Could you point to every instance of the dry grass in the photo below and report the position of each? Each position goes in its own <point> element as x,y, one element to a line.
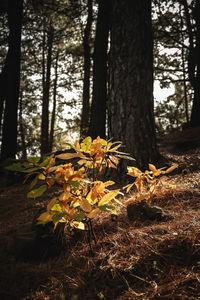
<point>132,260</point>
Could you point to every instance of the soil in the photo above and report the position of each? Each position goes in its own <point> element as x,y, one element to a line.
<point>132,259</point>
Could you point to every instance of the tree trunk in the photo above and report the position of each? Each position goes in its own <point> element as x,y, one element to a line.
<point>99,99</point>
<point>46,93</point>
<point>195,114</point>
<point>86,81</point>
<point>11,80</point>
<point>184,72</point>
<point>53,115</point>
<point>130,105</point>
<point>21,127</point>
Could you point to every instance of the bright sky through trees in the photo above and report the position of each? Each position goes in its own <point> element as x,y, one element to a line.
<point>162,94</point>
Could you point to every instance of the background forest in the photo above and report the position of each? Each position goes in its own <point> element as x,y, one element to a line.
<point>75,68</point>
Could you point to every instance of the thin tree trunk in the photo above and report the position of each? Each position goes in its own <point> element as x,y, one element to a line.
<point>21,127</point>
<point>87,65</point>
<point>46,93</point>
<point>12,80</point>
<point>99,99</point>
<point>184,73</point>
<point>1,111</point>
<point>53,116</point>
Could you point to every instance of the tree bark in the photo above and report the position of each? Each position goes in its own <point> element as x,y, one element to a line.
<point>130,106</point>
<point>195,114</point>
<point>10,80</point>
<point>86,81</point>
<point>99,99</point>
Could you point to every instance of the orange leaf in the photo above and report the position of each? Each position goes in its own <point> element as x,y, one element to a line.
<point>93,213</point>
<point>85,205</point>
<point>152,168</point>
<point>68,155</point>
<point>171,168</point>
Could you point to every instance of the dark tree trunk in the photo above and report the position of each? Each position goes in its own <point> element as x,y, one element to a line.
<point>46,93</point>
<point>99,99</point>
<point>194,60</point>
<point>10,79</point>
<point>86,81</point>
<point>53,115</point>
<point>130,104</point>
<point>195,114</point>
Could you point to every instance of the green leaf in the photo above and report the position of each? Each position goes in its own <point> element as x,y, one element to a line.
<point>56,178</point>
<point>79,217</point>
<point>125,157</point>
<point>46,161</point>
<point>107,207</point>
<point>30,170</point>
<point>71,146</point>
<point>22,167</point>
<point>58,216</point>
<point>13,167</point>
<point>34,160</point>
<point>37,192</point>
<point>75,184</point>
<point>33,183</point>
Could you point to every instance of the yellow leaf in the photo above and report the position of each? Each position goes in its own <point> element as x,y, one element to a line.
<point>108,197</point>
<point>109,182</point>
<point>93,213</point>
<point>85,205</point>
<point>51,203</point>
<point>128,187</point>
<point>171,168</point>
<point>41,176</point>
<point>79,225</point>
<point>114,148</point>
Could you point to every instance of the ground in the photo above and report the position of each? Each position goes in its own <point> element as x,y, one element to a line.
<point>141,259</point>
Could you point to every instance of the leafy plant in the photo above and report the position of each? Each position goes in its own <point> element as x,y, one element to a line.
<point>81,195</point>
<point>150,183</point>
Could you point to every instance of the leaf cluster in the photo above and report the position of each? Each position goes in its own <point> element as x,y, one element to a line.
<point>150,183</point>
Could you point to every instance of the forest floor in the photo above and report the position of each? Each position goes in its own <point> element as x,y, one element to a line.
<point>145,259</point>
